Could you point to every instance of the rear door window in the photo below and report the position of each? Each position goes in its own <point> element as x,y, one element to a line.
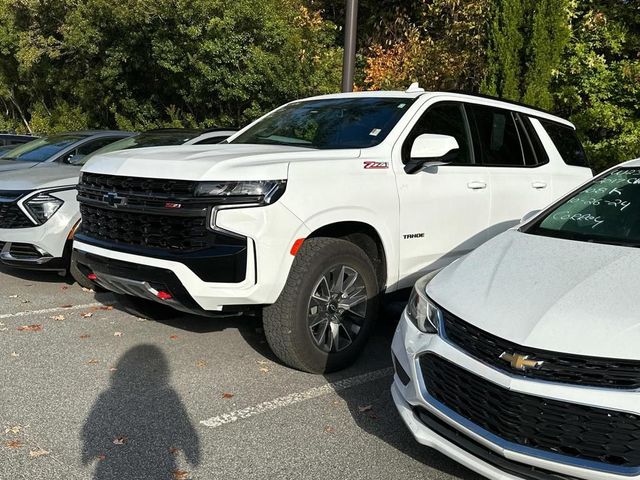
<point>566,141</point>
<point>496,136</point>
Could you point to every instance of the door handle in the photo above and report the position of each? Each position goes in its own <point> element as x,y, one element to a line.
<point>476,185</point>
<point>539,185</point>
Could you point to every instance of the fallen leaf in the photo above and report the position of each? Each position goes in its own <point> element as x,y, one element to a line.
<point>15,354</point>
<point>329,429</point>
<point>262,362</point>
<point>93,361</point>
<point>36,327</point>
<point>180,475</point>
<point>66,306</point>
<point>117,334</point>
<point>14,444</point>
<point>88,290</point>
<point>106,307</point>
<point>364,408</point>
<point>201,363</point>
<point>226,395</point>
<point>264,369</point>
<point>15,429</point>
<point>58,318</point>
<point>173,337</point>
<point>64,287</point>
<point>86,314</point>
<point>28,284</point>
<point>82,337</point>
<point>174,451</point>
<point>120,440</point>
<point>38,453</point>
<point>101,457</point>
<point>25,301</point>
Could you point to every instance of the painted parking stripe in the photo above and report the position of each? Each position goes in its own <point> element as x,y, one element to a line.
<point>50,310</point>
<point>294,398</point>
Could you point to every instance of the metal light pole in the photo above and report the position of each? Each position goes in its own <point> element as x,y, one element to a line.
<point>349,59</point>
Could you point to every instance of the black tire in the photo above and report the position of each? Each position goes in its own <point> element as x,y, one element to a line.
<point>287,324</point>
<point>147,309</point>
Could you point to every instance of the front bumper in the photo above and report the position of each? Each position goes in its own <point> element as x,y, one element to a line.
<point>434,425</point>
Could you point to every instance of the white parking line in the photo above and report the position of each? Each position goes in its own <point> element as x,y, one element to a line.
<point>49,310</point>
<point>294,398</point>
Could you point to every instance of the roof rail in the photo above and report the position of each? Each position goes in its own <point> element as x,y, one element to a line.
<point>500,99</point>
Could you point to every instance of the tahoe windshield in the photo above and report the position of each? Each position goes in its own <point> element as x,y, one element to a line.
<point>330,123</point>
<point>42,149</point>
<point>606,211</point>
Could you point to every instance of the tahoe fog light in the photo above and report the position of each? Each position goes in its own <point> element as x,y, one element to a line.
<point>43,206</point>
<point>422,312</point>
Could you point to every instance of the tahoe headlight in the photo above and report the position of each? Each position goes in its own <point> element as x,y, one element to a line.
<point>262,192</point>
<point>422,312</point>
<point>43,206</point>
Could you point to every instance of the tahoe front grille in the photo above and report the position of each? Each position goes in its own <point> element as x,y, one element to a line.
<point>556,367</point>
<point>588,433</point>
<point>165,232</point>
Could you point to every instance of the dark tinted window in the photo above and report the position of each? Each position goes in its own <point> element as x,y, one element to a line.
<point>567,143</point>
<point>497,136</point>
<point>329,123</point>
<point>605,211</point>
<point>76,156</point>
<point>443,119</point>
<point>42,149</point>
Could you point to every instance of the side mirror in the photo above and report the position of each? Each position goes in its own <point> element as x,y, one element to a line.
<point>529,216</point>
<point>431,148</point>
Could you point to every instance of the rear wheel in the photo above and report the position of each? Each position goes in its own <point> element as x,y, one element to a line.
<point>324,315</point>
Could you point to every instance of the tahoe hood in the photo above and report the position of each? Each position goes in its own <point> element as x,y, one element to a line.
<point>548,293</point>
<point>210,162</point>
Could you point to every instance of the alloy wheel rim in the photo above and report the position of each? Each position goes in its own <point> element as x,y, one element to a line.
<point>337,308</point>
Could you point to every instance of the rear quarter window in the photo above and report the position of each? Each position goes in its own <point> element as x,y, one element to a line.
<point>566,141</point>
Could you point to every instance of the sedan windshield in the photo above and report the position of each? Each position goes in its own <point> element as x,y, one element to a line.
<point>605,211</point>
<point>330,123</point>
<point>42,149</point>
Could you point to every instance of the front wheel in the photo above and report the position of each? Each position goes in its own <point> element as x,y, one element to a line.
<point>324,315</point>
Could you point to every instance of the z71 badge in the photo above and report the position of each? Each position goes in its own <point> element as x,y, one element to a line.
<point>371,165</point>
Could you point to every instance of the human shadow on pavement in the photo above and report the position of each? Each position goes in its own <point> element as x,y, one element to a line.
<point>139,428</point>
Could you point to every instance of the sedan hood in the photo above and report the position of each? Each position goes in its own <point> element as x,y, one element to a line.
<point>210,162</point>
<point>45,175</point>
<point>8,165</point>
<point>547,293</point>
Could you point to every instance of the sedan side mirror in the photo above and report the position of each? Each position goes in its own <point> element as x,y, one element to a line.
<point>431,149</point>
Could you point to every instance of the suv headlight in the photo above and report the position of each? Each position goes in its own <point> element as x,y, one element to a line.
<point>422,312</point>
<point>262,192</point>
<point>43,206</point>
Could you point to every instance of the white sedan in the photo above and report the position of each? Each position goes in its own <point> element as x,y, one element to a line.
<point>521,360</point>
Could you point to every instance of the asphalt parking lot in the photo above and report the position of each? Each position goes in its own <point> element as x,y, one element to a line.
<point>92,392</point>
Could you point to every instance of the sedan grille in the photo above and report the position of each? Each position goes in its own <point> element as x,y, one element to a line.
<point>555,367</point>
<point>589,433</point>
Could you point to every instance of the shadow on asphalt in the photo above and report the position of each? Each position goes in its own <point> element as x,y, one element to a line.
<point>139,428</point>
<point>36,275</point>
<point>372,407</point>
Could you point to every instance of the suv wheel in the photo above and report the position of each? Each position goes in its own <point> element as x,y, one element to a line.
<point>324,315</point>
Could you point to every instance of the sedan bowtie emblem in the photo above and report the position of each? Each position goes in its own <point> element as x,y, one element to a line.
<point>114,200</point>
<point>520,362</point>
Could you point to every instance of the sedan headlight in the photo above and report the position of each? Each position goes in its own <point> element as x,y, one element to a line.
<point>263,192</point>
<point>422,312</point>
<point>42,206</point>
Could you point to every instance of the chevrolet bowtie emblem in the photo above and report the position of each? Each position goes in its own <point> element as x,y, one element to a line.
<point>520,362</point>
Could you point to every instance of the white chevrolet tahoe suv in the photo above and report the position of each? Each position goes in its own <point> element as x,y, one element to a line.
<point>314,211</point>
